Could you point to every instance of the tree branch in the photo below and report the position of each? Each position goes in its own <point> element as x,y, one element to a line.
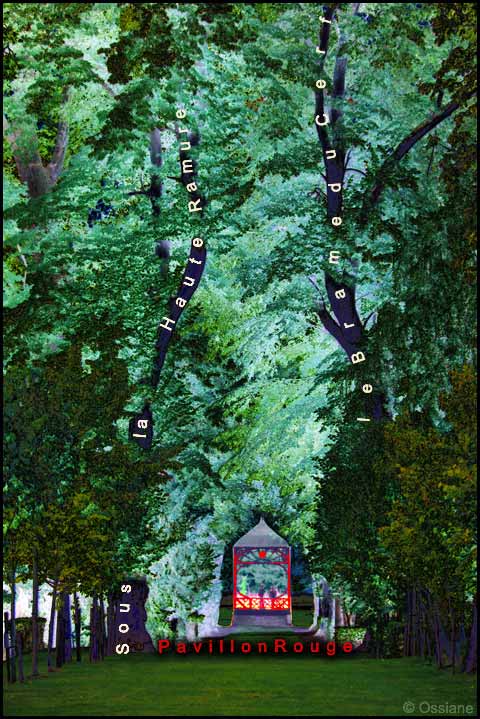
<point>31,170</point>
<point>344,308</point>
<point>55,166</point>
<point>335,331</point>
<point>354,169</point>
<point>156,147</point>
<point>313,280</point>
<point>108,88</point>
<point>319,94</point>
<point>401,150</point>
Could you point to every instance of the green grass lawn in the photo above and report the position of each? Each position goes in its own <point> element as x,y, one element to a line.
<point>237,685</point>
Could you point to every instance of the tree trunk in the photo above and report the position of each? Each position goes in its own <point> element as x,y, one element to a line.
<point>35,637</point>
<point>93,630</point>
<point>339,613</point>
<point>60,639</point>
<point>78,627</point>
<point>67,619</point>
<point>101,634</point>
<point>111,625</point>
<point>438,643</point>
<point>428,624</point>
<point>51,626</point>
<point>13,637</point>
<point>6,644</point>
<point>416,624</point>
<point>443,639</point>
<point>379,636</point>
<point>462,644</point>
<point>372,198</point>
<point>406,631</point>
<point>316,586</point>
<point>471,663</point>
<point>21,675</point>
<point>454,641</point>
<point>421,624</point>
<point>39,178</point>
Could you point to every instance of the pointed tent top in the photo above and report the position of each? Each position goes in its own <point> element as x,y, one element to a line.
<point>261,536</point>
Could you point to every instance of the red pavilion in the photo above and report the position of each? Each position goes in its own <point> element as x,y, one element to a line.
<point>261,578</point>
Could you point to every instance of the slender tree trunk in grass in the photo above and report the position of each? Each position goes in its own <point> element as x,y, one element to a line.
<point>67,618</point>
<point>6,643</point>
<point>408,628</point>
<point>462,642</point>
<point>421,624</point>
<point>21,674</point>
<point>421,633</point>
<point>101,633</point>
<point>415,623</point>
<point>453,649</point>
<point>429,646</point>
<point>98,637</point>
<point>339,613</point>
<point>98,631</point>
<point>93,630</point>
<point>430,627</point>
<point>411,646</point>
<point>105,628</point>
<point>13,638</point>
<point>78,626</point>
<point>444,640</point>
<point>110,625</point>
<point>438,642</point>
<point>418,627</point>
<point>471,662</point>
<point>428,624</point>
<point>60,639</point>
<point>411,650</point>
<point>377,637</point>
<point>405,628</point>
<point>424,633</point>
<point>35,637</point>
<point>51,626</point>
<point>321,602</point>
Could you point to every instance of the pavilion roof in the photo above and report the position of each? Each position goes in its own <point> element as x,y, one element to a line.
<point>261,536</point>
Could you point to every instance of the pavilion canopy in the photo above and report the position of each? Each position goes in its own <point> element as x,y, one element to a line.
<point>261,536</point>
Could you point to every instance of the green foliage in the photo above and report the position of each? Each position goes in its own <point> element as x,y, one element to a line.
<point>456,24</point>
<point>24,625</point>
<point>349,634</point>
<point>256,409</point>
<point>431,533</point>
<point>393,639</point>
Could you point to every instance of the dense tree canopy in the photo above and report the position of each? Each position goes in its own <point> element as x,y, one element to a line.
<point>255,410</point>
